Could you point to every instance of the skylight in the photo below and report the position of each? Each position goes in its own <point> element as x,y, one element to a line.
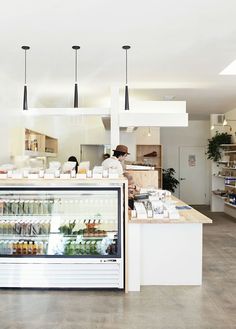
<point>230,69</point>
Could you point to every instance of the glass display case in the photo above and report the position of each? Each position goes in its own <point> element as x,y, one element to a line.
<point>83,224</point>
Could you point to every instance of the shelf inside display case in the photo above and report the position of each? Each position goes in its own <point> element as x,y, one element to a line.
<point>60,222</point>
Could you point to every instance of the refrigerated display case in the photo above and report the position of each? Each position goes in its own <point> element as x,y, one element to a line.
<point>62,236</point>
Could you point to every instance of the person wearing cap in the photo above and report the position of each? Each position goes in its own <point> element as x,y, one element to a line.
<point>115,161</point>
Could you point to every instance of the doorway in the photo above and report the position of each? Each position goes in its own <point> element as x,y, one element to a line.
<point>192,174</point>
<point>93,153</point>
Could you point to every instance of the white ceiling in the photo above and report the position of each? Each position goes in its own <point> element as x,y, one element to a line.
<point>177,49</point>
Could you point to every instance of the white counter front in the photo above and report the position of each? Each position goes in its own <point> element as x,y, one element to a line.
<point>166,252</point>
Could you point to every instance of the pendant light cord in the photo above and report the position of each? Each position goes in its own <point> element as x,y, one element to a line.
<point>25,66</point>
<point>126,68</point>
<point>76,58</point>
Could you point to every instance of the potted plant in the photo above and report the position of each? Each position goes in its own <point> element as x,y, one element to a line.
<point>213,149</point>
<point>170,183</point>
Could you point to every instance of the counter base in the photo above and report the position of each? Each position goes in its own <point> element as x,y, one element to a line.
<point>164,254</point>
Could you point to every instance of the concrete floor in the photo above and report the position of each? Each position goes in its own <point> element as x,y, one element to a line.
<point>211,306</point>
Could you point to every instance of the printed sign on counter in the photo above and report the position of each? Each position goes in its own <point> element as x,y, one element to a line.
<point>33,176</point>
<point>65,176</point>
<point>49,176</point>
<point>81,176</point>
<point>17,175</point>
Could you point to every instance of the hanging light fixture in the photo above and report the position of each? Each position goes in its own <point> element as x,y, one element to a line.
<point>126,80</point>
<point>25,101</point>
<point>76,102</point>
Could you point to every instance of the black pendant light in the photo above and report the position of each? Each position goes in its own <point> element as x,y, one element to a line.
<point>25,101</point>
<point>76,102</point>
<point>126,80</point>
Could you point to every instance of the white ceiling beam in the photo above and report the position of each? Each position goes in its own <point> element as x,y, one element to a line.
<point>103,112</point>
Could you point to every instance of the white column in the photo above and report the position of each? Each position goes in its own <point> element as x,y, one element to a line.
<point>115,132</point>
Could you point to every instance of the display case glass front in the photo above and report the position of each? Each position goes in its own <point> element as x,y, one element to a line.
<point>60,222</point>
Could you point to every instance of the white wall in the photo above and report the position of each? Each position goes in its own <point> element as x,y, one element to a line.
<point>70,131</point>
<point>231,119</point>
<point>196,134</point>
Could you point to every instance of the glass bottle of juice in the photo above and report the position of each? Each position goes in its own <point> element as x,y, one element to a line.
<point>1,247</point>
<point>14,248</point>
<point>25,248</point>
<point>30,248</point>
<point>19,248</point>
<point>35,248</point>
<point>40,248</point>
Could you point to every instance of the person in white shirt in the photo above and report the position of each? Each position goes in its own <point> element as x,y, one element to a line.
<point>115,161</point>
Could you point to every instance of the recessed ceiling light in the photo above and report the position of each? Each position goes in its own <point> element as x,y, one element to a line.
<point>230,69</point>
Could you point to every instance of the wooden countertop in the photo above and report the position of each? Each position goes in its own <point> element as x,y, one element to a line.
<point>60,181</point>
<point>187,216</point>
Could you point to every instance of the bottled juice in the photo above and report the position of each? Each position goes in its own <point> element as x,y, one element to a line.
<point>40,248</point>
<point>36,207</point>
<point>26,207</point>
<point>18,248</point>
<point>21,207</point>
<point>14,248</point>
<point>1,247</point>
<point>1,207</point>
<point>10,248</point>
<point>30,248</point>
<point>25,248</point>
<point>4,228</point>
<point>5,207</point>
<point>35,248</point>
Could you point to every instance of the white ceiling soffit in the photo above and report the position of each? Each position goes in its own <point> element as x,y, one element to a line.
<point>158,107</point>
<point>154,120</point>
<point>155,114</point>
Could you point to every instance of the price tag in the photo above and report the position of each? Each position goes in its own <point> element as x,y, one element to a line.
<point>3,176</point>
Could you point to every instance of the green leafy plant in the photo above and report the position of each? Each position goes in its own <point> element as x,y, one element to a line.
<point>213,149</point>
<point>170,183</point>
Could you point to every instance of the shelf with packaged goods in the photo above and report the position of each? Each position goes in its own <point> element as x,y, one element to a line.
<point>220,176</point>
<point>230,204</point>
<point>224,176</point>
<point>218,196</point>
<point>227,145</point>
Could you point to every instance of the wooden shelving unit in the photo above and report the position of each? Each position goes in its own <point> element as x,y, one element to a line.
<point>227,170</point>
<point>34,144</point>
<point>151,155</point>
<point>41,144</point>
